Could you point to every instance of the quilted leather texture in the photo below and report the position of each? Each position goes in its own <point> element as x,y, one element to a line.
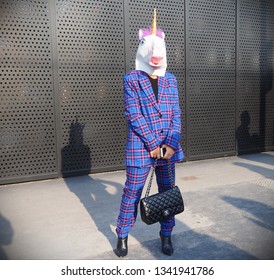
<point>156,207</point>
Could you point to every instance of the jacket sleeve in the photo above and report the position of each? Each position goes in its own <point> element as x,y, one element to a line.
<point>135,118</point>
<point>174,133</point>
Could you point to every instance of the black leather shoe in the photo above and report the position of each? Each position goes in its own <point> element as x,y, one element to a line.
<point>167,247</point>
<point>121,249</point>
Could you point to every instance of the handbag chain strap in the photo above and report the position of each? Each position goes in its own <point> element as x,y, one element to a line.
<point>171,178</point>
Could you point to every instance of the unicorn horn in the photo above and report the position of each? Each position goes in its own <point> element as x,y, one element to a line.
<point>153,27</point>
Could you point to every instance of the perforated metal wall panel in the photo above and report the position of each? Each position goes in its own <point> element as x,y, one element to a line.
<point>62,63</point>
<point>210,41</point>
<point>90,38</point>
<point>27,122</point>
<point>170,18</point>
<point>255,130</point>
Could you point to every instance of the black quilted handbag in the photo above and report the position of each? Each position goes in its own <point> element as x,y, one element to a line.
<point>158,206</point>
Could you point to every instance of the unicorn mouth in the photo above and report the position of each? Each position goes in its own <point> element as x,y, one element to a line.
<point>156,61</point>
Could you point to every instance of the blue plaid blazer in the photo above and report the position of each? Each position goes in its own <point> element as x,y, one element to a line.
<point>151,124</point>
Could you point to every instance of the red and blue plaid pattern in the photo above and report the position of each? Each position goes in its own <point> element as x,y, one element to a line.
<point>151,124</point>
<point>135,181</point>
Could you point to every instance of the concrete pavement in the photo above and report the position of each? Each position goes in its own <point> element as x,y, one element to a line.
<point>229,214</point>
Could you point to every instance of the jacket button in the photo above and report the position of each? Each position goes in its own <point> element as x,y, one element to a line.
<point>162,131</point>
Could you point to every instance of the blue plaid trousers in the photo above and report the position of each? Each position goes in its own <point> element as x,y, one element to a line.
<point>135,181</point>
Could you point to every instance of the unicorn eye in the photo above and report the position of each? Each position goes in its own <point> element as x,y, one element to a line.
<point>142,42</point>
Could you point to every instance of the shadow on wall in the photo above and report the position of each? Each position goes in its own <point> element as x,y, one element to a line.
<point>6,234</point>
<point>246,141</point>
<point>76,158</point>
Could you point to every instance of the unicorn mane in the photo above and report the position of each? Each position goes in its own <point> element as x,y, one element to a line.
<point>148,31</point>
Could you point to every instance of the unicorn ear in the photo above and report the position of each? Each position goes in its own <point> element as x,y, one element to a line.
<point>163,35</point>
<point>141,34</point>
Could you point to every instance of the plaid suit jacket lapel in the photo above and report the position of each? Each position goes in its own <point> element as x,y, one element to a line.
<point>146,87</point>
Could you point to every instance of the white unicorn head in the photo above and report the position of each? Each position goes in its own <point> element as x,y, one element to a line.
<point>151,53</point>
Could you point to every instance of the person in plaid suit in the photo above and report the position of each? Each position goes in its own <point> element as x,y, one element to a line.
<point>154,120</point>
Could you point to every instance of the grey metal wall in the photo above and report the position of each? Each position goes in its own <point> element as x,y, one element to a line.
<point>91,62</point>
<point>27,108</point>
<point>62,63</point>
<point>255,92</point>
<point>211,76</point>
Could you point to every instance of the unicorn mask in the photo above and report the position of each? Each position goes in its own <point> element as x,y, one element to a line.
<point>151,53</point>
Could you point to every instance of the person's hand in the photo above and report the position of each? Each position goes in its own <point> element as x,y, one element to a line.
<point>156,153</point>
<point>169,152</point>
